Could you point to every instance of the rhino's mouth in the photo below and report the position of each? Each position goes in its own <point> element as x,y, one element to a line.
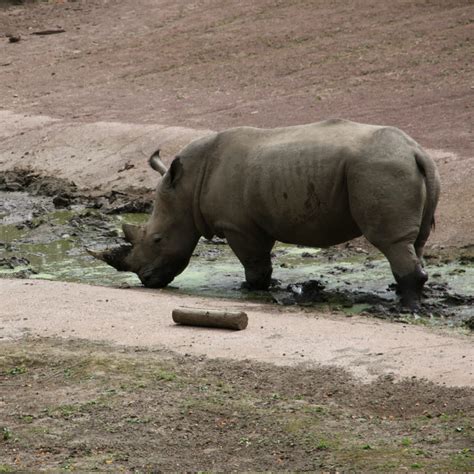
<point>151,279</point>
<point>155,282</point>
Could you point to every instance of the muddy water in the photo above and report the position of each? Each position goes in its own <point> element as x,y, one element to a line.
<point>39,241</point>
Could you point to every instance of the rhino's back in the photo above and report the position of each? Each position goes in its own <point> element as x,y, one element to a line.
<point>291,182</point>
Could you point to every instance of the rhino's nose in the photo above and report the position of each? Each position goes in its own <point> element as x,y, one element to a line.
<point>144,278</point>
<point>154,281</point>
<point>149,280</point>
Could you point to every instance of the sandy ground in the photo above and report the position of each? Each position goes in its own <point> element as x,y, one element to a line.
<point>364,347</point>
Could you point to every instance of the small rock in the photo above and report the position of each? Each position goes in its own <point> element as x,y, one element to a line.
<point>469,323</point>
<point>61,201</point>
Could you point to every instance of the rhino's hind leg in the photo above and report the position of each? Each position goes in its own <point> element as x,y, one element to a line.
<point>254,254</point>
<point>387,204</point>
<point>408,272</point>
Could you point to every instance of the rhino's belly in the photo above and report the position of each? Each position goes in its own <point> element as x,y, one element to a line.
<point>317,236</point>
<point>313,230</point>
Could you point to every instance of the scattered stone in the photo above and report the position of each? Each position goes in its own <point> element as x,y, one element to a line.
<point>14,262</point>
<point>52,31</point>
<point>61,201</point>
<point>469,323</point>
<point>127,166</point>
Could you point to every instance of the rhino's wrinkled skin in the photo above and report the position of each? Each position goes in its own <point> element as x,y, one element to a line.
<point>316,185</point>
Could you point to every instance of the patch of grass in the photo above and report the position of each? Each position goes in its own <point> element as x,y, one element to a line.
<point>6,433</point>
<point>165,375</point>
<point>317,409</point>
<point>7,468</point>
<point>68,410</point>
<point>17,371</point>
<point>63,411</point>
<point>463,460</point>
<point>323,444</point>
<point>27,418</point>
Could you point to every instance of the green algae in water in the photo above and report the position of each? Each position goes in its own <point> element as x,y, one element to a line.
<point>214,270</point>
<point>55,247</point>
<point>10,233</point>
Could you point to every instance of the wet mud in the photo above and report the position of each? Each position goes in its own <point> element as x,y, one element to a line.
<point>63,193</point>
<point>41,239</point>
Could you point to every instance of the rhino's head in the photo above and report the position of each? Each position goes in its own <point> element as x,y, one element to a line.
<point>161,249</point>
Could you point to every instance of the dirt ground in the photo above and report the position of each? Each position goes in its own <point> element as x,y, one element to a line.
<point>80,406</point>
<point>213,64</point>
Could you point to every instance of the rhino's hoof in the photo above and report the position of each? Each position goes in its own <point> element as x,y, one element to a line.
<point>410,288</point>
<point>245,285</point>
<point>274,283</point>
<point>410,305</point>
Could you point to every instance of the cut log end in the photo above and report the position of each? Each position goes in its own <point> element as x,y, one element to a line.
<point>211,318</point>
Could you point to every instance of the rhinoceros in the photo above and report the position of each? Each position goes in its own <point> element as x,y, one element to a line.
<point>315,185</point>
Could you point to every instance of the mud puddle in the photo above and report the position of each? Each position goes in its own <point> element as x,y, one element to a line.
<point>39,239</point>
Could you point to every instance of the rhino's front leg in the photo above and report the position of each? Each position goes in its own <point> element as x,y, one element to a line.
<point>258,274</point>
<point>253,251</point>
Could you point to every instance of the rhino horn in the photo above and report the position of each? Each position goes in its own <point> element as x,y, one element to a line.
<point>115,257</point>
<point>131,232</point>
<point>155,162</point>
<point>99,255</point>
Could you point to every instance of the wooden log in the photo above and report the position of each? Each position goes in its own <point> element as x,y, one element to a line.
<point>210,318</point>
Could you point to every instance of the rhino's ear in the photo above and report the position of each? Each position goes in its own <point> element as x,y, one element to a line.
<point>155,162</point>
<point>132,232</point>
<point>174,174</point>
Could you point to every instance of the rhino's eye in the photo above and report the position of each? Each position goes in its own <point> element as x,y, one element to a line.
<point>156,238</point>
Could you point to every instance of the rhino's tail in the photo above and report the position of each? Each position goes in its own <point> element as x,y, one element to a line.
<point>428,169</point>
